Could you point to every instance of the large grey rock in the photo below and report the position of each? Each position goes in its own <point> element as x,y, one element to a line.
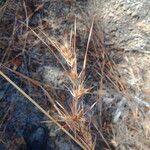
<point>126,23</point>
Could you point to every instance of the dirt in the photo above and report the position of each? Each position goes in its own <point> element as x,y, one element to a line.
<point>23,52</point>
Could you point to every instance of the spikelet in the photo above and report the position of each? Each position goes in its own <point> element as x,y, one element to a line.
<point>75,119</point>
<point>80,91</point>
<point>67,54</point>
<point>73,75</point>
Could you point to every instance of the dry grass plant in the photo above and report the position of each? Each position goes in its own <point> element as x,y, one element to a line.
<point>75,120</point>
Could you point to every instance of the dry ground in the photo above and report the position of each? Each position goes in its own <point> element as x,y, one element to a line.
<point>113,114</point>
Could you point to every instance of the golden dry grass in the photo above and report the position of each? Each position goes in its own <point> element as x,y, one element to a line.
<point>74,120</point>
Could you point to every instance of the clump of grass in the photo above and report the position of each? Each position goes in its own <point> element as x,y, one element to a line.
<point>74,120</point>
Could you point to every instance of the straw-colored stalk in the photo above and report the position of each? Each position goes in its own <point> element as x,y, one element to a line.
<point>76,119</point>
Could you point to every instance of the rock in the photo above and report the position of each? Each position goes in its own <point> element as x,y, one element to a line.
<point>120,111</point>
<point>126,23</point>
<point>54,76</point>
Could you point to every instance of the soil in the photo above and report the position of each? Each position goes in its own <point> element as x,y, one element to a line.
<point>22,51</point>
